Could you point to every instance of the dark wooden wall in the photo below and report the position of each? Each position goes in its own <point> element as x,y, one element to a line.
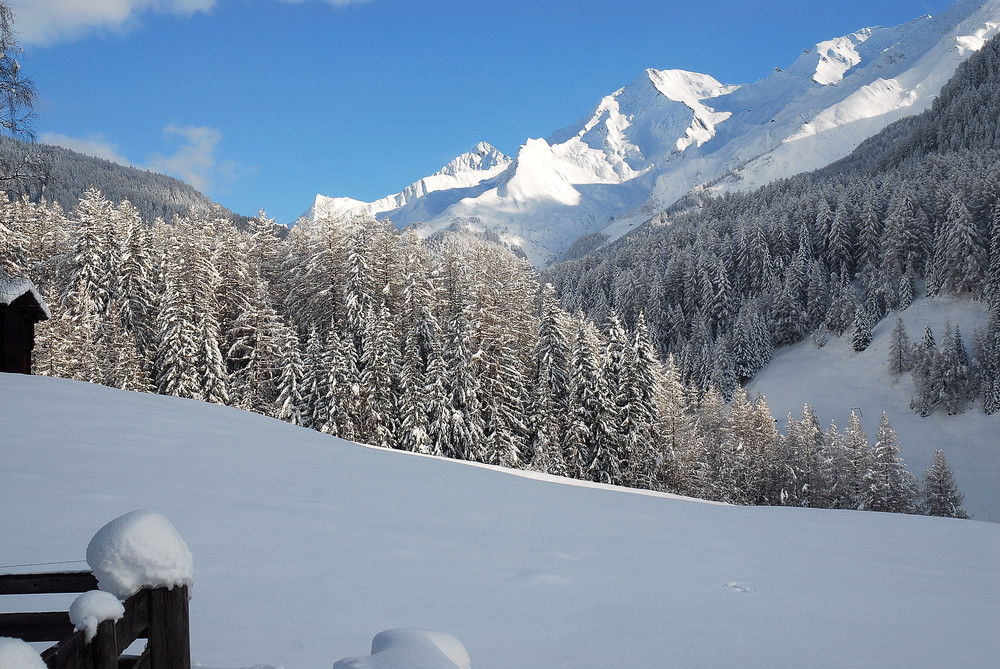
<point>17,334</point>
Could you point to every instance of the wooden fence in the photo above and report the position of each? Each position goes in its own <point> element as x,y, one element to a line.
<point>159,615</point>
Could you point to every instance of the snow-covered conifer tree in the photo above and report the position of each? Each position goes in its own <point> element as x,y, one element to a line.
<point>465,429</point>
<point>960,261</point>
<point>888,485</point>
<point>289,405</point>
<point>899,350</point>
<point>939,492</point>
<point>315,381</point>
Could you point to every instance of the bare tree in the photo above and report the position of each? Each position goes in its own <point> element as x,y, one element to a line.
<point>17,92</point>
<point>22,166</point>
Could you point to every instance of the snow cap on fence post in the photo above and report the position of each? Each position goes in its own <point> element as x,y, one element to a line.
<point>91,609</point>
<point>139,549</point>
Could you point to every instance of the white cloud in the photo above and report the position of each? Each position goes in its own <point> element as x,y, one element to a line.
<point>46,22</point>
<point>194,161</point>
<point>91,145</point>
<point>49,21</point>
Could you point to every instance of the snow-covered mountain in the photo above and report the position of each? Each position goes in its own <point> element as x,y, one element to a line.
<point>670,131</point>
<point>457,179</point>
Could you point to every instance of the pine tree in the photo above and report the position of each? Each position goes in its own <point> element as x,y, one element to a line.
<point>411,407</point>
<point>676,432</point>
<point>189,361</point>
<point>136,302</point>
<point>956,393</point>
<point>641,387</point>
<point>709,461</point>
<point>961,262</point>
<point>988,357</point>
<point>922,362</point>
<point>551,372</point>
<point>378,377</point>
<point>899,350</point>
<point>315,382</point>
<point>804,451</point>
<point>255,356</point>
<point>858,462</point>
<point>870,234</point>
<point>841,242</point>
<point>465,428</point>
<point>289,405</point>
<point>749,347</point>
<point>584,401</point>
<point>887,485</point>
<point>862,336</point>
<point>905,292</point>
<point>940,495</point>
<point>992,289</point>
<point>177,350</point>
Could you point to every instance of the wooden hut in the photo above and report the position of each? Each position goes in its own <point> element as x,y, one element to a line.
<point>21,306</point>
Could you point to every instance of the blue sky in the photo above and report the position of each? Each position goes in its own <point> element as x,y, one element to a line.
<point>264,103</point>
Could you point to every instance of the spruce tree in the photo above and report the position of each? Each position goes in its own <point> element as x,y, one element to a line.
<point>939,493</point>
<point>961,261</point>
<point>289,405</point>
<point>899,350</point>
<point>887,485</point>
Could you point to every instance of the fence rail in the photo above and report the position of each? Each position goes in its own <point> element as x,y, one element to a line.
<point>159,615</point>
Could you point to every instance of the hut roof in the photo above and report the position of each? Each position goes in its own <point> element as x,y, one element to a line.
<point>12,288</point>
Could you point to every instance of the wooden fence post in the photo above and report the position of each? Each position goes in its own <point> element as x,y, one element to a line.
<point>103,647</point>
<point>169,634</point>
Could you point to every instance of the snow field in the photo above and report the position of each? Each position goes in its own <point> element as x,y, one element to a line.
<point>307,546</point>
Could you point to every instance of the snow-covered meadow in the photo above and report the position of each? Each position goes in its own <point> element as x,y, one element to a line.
<point>305,547</point>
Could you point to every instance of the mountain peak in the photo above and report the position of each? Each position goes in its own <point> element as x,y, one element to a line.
<point>684,86</point>
<point>483,158</point>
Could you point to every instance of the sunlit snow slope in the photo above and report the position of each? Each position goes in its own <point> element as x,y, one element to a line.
<point>669,131</point>
<point>306,546</point>
<point>836,379</point>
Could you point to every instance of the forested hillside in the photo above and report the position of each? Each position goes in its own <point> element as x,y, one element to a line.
<point>62,176</point>
<point>913,212</point>
<point>361,332</point>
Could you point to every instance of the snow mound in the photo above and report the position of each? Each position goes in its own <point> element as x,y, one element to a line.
<point>92,608</point>
<point>411,649</point>
<point>139,549</point>
<point>16,654</point>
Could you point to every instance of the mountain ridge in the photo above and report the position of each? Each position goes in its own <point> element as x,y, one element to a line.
<point>652,141</point>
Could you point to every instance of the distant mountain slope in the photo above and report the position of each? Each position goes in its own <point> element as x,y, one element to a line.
<point>970,101</point>
<point>67,174</point>
<point>669,131</point>
<point>305,546</point>
<point>836,380</point>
